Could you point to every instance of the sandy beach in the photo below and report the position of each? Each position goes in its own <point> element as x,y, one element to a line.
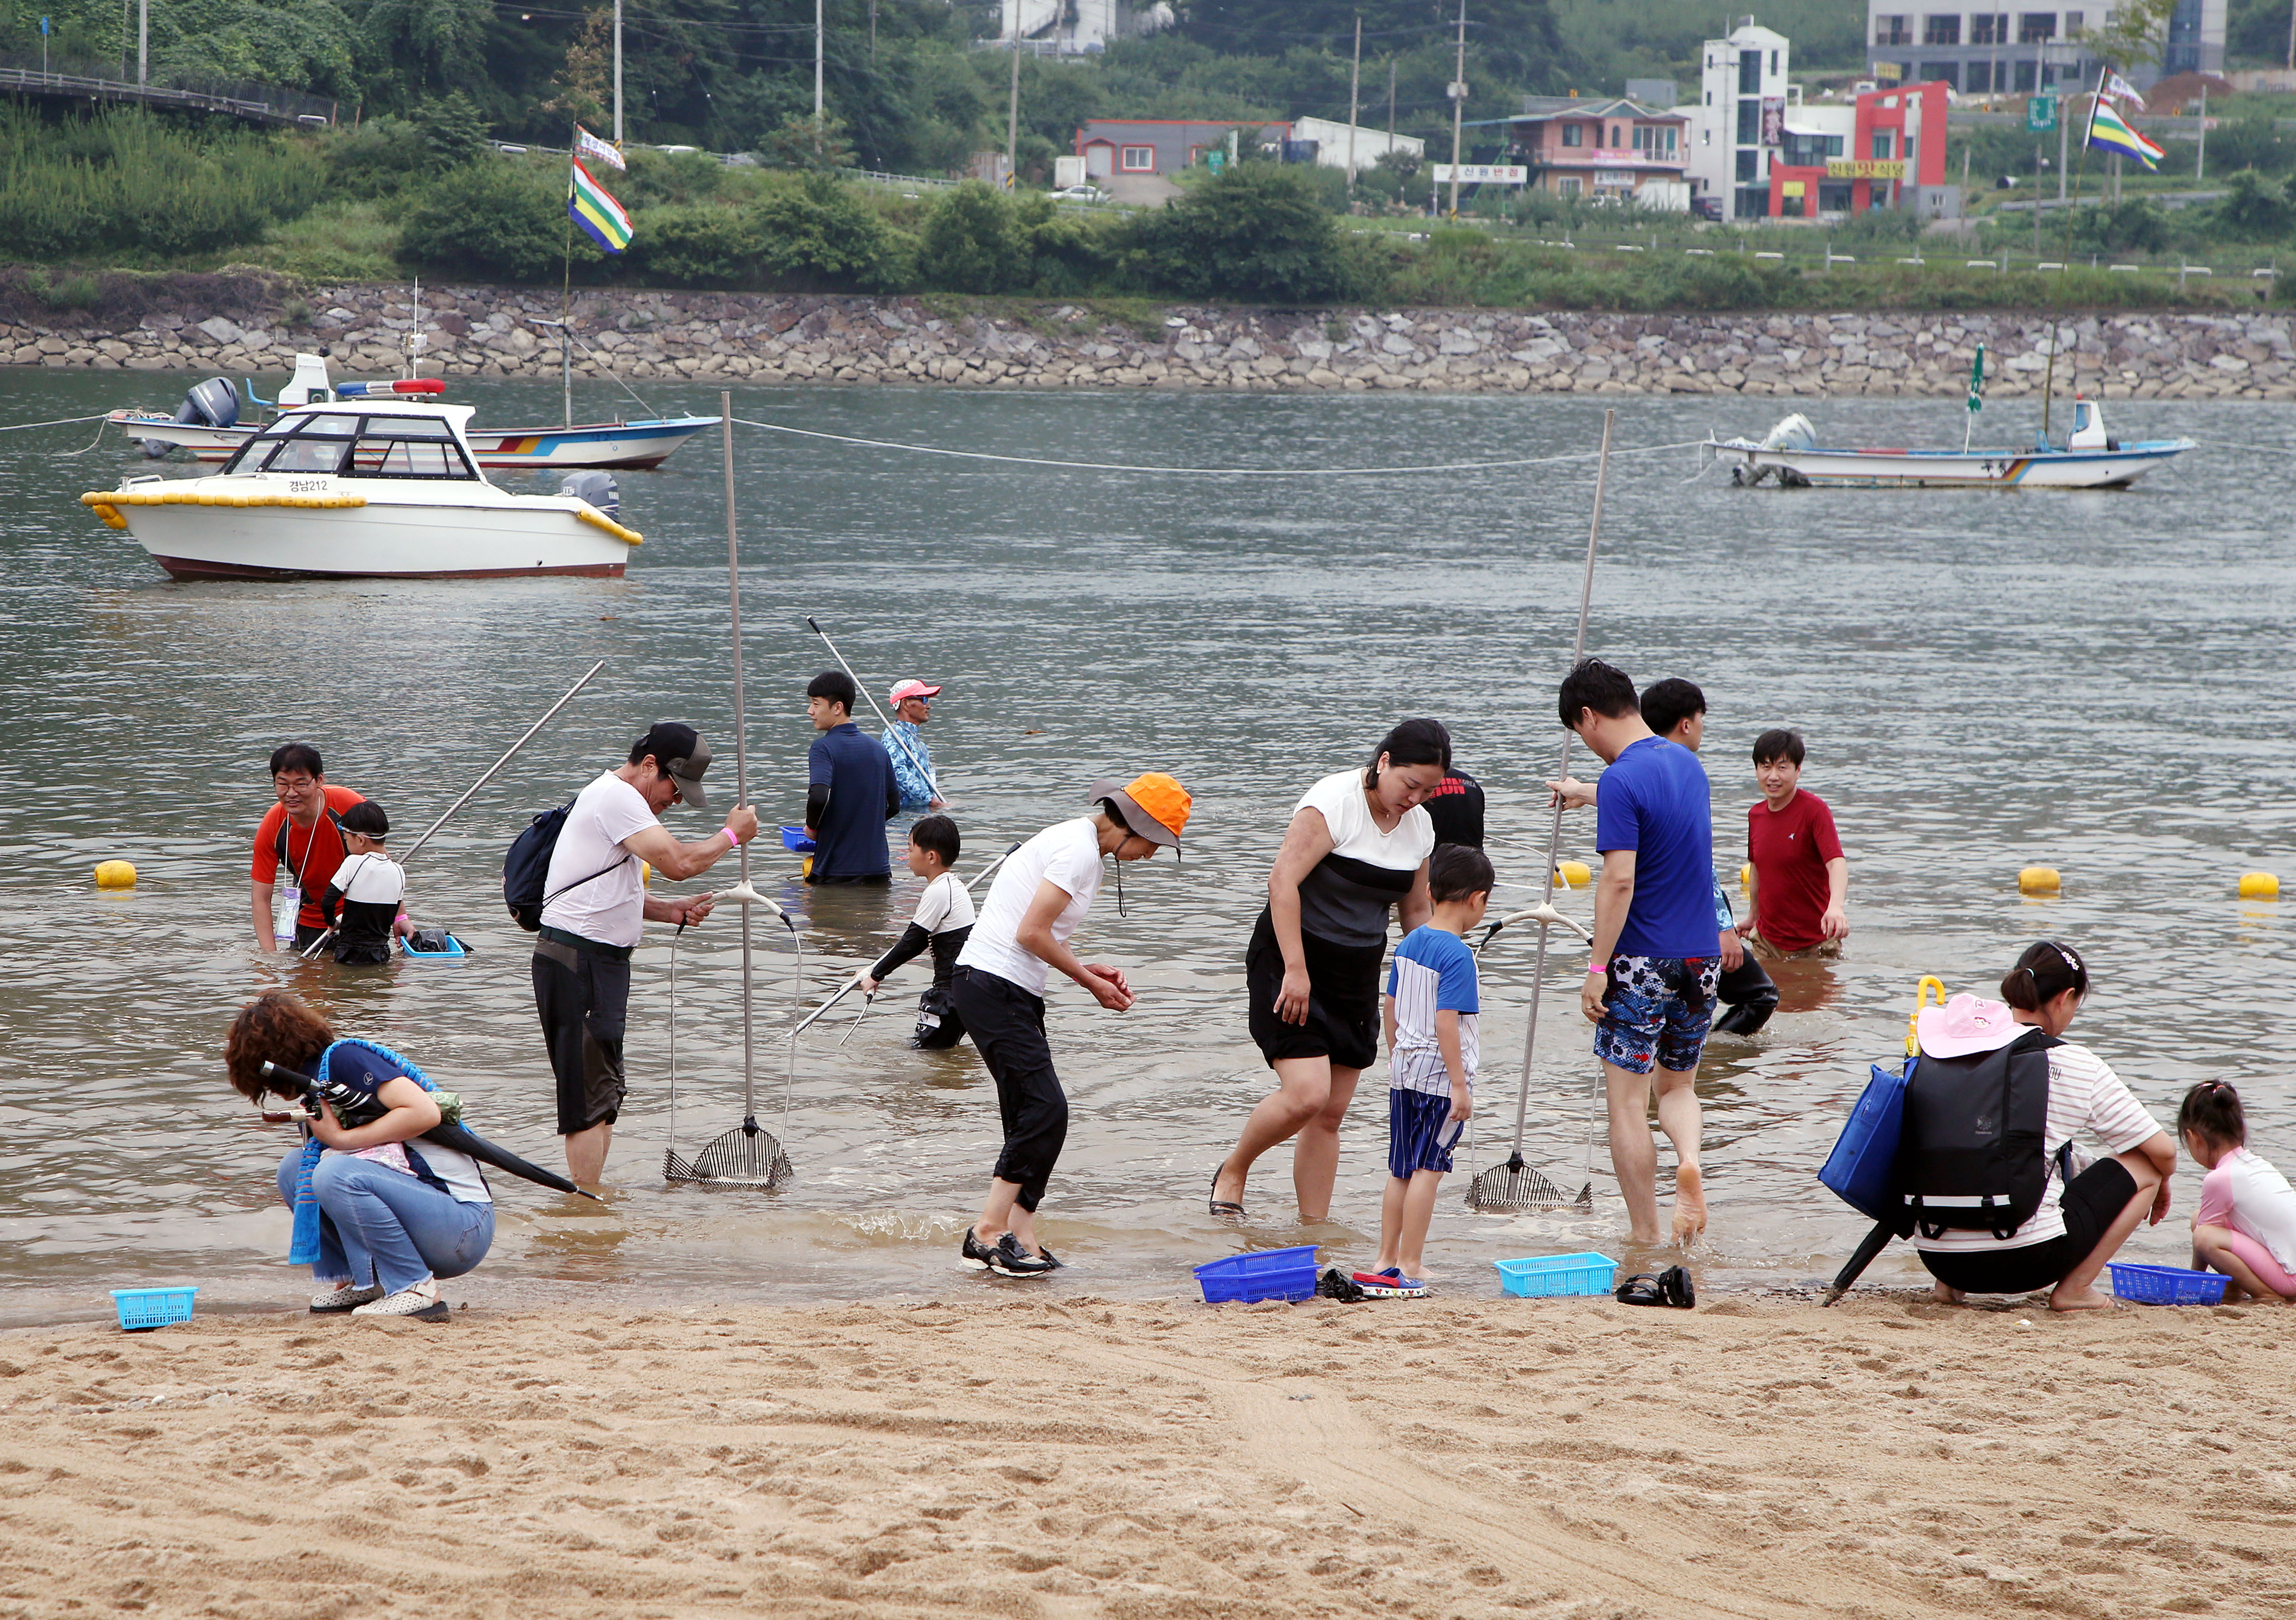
<point>1008,1457</point>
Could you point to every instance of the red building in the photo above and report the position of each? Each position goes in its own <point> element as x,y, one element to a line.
<point>1894,138</point>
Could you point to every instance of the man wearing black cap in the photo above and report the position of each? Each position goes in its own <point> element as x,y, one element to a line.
<point>594,908</point>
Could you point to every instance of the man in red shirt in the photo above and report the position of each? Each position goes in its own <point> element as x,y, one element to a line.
<point>1800,887</point>
<point>300,832</point>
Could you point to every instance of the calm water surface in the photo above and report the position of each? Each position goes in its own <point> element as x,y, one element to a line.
<point>2095,682</point>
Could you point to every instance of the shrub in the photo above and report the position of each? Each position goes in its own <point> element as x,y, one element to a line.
<point>817,231</point>
<point>972,244</point>
<point>378,159</point>
<point>1071,254</point>
<point>701,246</point>
<point>1259,232</point>
<point>2254,209</point>
<point>495,218</point>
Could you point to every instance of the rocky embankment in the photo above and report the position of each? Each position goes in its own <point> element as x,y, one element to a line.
<point>766,338</point>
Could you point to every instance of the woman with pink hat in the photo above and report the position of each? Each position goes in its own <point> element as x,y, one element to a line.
<point>2082,1219</point>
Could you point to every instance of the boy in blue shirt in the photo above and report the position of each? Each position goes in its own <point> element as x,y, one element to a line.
<point>1431,1004</point>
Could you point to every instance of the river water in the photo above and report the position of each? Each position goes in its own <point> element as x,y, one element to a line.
<point>2094,682</point>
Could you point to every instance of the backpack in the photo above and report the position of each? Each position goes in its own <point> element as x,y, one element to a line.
<point>526,869</point>
<point>1971,1150</point>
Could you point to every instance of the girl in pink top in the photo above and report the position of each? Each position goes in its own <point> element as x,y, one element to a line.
<point>2246,1224</point>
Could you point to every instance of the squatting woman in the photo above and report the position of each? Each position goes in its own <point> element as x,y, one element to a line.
<point>379,1217</point>
<point>1355,852</point>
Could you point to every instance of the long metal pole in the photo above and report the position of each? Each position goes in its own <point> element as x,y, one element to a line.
<point>740,748</point>
<point>498,764</point>
<point>1013,109</point>
<point>1355,83</point>
<point>618,72</point>
<point>144,41</point>
<point>820,135</point>
<point>1554,834</point>
<point>1458,106</point>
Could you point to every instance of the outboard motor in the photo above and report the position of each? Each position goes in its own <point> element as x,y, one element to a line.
<point>599,489</point>
<point>214,403</point>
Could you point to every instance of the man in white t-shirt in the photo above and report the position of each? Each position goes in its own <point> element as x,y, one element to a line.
<point>1042,893</point>
<point>594,910</point>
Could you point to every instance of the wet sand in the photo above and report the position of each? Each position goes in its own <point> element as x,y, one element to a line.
<point>1004,1457</point>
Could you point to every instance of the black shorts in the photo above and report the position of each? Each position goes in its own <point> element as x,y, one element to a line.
<point>2093,1202</point>
<point>583,999</point>
<point>1342,999</point>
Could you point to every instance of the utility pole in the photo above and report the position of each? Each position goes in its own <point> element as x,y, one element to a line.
<point>1390,104</point>
<point>144,41</point>
<point>1354,81</point>
<point>2064,128</point>
<point>820,134</point>
<point>1013,109</point>
<point>2037,161</point>
<point>618,72</point>
<point>1458,106</point>
<point>2200,160</point>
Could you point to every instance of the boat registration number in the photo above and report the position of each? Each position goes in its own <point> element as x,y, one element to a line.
<point>307,486</point>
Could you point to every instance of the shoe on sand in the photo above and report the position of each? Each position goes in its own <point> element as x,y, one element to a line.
<point>344,1296</point>
<point>1009,1259</point>
<point>420,1302</point>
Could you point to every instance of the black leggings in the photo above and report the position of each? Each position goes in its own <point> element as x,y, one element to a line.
<point>1007,1025</point>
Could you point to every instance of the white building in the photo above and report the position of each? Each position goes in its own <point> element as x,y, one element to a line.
<point>2015,53</point>
<point>1332,145</point>
<point>1069,27</point>
<point>1737,121</point>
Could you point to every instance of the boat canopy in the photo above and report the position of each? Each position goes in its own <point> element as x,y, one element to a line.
<point>397,443</point>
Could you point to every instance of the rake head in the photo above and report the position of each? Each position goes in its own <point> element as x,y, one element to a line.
<point>1516,1185</point>
<point>748,1156</point>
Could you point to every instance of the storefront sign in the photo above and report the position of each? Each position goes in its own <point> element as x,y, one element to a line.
<point>1864,169</point>
<point>1484,174</point>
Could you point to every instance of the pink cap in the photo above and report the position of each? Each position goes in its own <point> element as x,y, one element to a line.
<point>1963,1025</point>
<point>908,689</point>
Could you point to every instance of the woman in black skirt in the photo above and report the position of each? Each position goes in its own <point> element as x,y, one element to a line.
<point>1356,851</point>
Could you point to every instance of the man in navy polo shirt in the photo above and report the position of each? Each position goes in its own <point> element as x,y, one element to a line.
<point>850,793</point>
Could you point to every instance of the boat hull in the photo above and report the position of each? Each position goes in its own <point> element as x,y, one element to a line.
<point>374,541</point>
<point>2101,469</point>
<point>600,444</point>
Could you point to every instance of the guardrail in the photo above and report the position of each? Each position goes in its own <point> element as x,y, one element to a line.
<point>256,103</point>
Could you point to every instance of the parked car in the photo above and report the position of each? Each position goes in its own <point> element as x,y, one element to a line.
<point>1078,193</point>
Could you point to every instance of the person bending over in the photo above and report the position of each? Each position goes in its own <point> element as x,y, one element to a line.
<point>943,922</point>
<point>1040,895</point>
<point>1433,998</point>
<point>380,1218</point>
<point>2082,1222</point>
<point>2246,1224</point>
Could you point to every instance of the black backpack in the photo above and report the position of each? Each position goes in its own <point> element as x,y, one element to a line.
<point>526,869</point>
<point>1971,1155</point>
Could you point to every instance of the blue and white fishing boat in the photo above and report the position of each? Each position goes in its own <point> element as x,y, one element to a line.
<point>1790,455</point>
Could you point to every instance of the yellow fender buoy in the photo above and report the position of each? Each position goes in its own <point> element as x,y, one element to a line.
<point>807,870</point>
<point>115,875</point>
<point>645,876</point>
<point>1922,999</point>
<point>2039,880</point>
<point>2259,886</point>
<point>1746,876</point>
<point>1573,874</point>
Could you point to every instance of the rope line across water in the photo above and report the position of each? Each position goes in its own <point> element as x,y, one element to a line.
<point>1114,466</point>
<point>18,427</point>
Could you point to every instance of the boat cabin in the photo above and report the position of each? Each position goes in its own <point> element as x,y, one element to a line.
<point>2088,428</point>
<point>377,441</point>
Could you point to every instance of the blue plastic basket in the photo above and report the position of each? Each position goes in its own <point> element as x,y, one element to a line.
<point>2167,1285</point>
<point>452,953</point>
<point>143,1308</point>
<point>1548,1276</point>
<point>794,838</point>
<point>1268,1274</point>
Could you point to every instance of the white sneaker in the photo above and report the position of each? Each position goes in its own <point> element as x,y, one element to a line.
<point>342,1296</point>
<point>420,1302</point>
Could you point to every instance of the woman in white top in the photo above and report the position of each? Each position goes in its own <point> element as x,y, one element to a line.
<point>1356,849</point>
<point>2082,1224</point>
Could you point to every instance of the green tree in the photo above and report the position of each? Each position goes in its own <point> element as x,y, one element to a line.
<point>816,231</point>
<point>2133,34</point>
<point>2255,207</point>
<point>972,244</point>
<point>1259,232</point>
<point>707,245</point>
<point>496,219</point>
<point>453,132</point>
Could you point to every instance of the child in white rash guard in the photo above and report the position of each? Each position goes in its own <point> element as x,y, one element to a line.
<point>943,922</point>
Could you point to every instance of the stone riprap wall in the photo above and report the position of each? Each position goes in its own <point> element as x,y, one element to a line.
<point>763,338</point>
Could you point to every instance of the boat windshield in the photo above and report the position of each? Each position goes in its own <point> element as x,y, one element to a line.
<point>354,446</point>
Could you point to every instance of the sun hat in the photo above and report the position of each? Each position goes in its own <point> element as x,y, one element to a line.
<point>1153,805</point>
<point>908,689</point>
<point>1963,1025</point>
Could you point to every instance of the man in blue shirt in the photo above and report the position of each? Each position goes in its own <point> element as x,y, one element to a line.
<point>1649,990</point>
<point>849,793</point>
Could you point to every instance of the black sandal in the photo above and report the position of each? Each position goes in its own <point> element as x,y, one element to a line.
<point>1222,1207</point>
<point>1671,1286</point>
<point>1641,1289</point>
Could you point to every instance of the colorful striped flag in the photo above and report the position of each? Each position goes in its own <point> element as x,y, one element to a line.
<point>588,145</point>
<point>597,212</point>
<point>2108,132</point>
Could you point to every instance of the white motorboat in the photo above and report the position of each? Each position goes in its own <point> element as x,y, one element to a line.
<point>208,426</point>
<point>367,488</point>
<point>2089,459</point>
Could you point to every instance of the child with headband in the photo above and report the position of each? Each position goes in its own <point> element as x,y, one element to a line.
<point>2246,1224</point>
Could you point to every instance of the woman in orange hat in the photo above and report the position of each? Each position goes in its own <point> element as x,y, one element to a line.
<point>1041,893</point>
<point>1356,849</point>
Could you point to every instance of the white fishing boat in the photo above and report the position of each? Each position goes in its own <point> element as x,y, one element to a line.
<point>2089,458</point>
<point>386,489</point>
<point>208,426</point>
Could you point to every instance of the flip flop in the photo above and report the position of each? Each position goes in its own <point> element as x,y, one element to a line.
<point>1222,1207</point>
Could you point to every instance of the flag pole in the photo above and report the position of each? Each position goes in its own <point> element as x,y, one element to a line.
<point>2048,377</point>
<point>566,289</point>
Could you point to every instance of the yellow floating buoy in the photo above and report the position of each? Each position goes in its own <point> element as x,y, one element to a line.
<point>115,875</point>
<point>1746,876</point>
<point>807,870</point>
<point>645,876</point>
<point>1573,874</point>
<point>2039,880</point>
<point>2259,885</point>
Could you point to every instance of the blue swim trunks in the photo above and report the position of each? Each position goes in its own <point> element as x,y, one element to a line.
<point>1657,1010</point>
<point>1420,1132</point>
